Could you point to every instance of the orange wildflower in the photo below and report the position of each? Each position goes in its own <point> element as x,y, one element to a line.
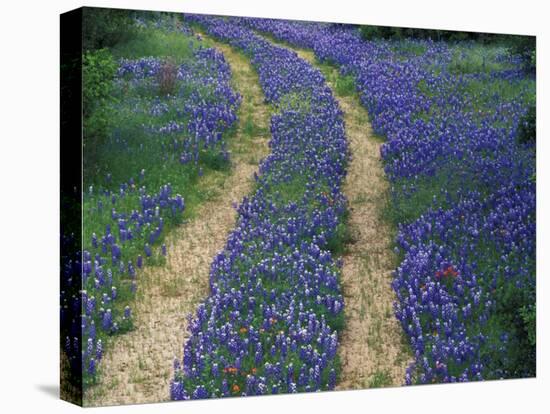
<point>230,370</point>
<point>449,271</point>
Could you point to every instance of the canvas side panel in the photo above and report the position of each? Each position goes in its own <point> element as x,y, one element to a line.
<point>71,206</point>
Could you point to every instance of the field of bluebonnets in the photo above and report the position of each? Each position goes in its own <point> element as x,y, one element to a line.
<point>456,118</point>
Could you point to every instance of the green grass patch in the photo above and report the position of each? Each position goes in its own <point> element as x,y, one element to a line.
<point>345,85</point>
<point>408,47</point>
<point>342,237</point>
<point>294,101</point>
<point>380,379</point>
<point>477,58</point>
<point>158,43</point>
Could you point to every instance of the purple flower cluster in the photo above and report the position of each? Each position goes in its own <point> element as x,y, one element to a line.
<point>203,105</point>
<point>108,266</point>
<point>473,240</point>
<point>270,322</point>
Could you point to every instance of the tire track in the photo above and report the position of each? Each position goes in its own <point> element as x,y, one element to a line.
<point>137,368</point>
<point>371,347</point>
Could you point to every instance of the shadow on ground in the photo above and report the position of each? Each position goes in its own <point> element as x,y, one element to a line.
<point>51,390</point>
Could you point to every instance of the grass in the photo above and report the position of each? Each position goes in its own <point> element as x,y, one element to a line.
<point>408,47</point>
<point>156,42</point>
<point>338,243</point>
<point>295,101</point>
<point>344,85</point>
<point>483,91</point>
<point>380,379</point>
<point>250,128</point>
<point>476,58</point>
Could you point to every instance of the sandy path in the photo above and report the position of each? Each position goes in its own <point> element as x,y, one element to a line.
<point>371,347</point>
<point>137,368</point>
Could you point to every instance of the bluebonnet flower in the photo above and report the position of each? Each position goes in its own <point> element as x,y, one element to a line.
<point>292,236</point>
<point>107,321</point>
<point>99,350</point>
<point>91,367</point>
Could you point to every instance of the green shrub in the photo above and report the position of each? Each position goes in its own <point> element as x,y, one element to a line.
<point>527,128</point>
<point>98,71</point>
<point>529,316</point>
<point>378,32</point>
<point>106,27</point>
<point>382,32</point>
<point>525,48</point>
<point>515,316</point>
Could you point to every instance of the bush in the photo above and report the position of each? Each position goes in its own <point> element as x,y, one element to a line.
<point>98,71</point>
<point>515,323</point>
<point>106,27</point>
<point>525,48</point>
<point>381,32</point>
<point>527,128</point>
<point>378,32</point>
<point>167,78</point>
<point>529,316</point>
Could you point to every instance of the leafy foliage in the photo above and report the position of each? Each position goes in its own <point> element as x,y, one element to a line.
<point>98,72</point>
<point>397,33</point>
<point>103,28</point>
<point>527,129</point>
<point>525,48</point>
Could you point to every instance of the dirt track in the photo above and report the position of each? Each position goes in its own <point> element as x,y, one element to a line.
<point>138,366</point>
<point>371,347</point>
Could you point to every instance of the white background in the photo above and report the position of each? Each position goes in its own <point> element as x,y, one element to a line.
<point>29,208</point>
